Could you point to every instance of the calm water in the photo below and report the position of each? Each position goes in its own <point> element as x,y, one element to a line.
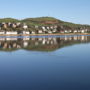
<point>45,63</point>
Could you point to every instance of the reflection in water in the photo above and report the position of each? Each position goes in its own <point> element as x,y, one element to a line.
<point>41,44</point>
<point>64,69</point>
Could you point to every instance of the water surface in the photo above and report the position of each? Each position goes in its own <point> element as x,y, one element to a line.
<point>45,63</point>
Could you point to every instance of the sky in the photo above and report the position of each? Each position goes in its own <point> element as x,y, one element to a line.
<point>76,11</point>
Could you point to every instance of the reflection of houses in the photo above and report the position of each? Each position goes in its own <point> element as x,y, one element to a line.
<point>26,39</point>
<point>38,43</point>
<point>25,44</point>
<point>11,39</point>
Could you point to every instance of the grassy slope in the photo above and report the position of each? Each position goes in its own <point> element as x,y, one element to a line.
<point>42,21</point>
<point>6,20</point>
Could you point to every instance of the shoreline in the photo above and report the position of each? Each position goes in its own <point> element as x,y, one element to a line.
<point>45,34</point>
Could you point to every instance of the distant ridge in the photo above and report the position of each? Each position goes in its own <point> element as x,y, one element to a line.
<point>43,21</point>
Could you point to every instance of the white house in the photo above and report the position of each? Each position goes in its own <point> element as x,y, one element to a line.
<point>32,32</point>
<point>18,23</point>
<point>40,31</point>
<point>36,27</point>
<point>25,26</point>
<point>82,31</point>
<point>54,30</point>
<point>2,32</point>
<point>43,28</point>
<point>51,27</point>
<point>50,32</point>
<point>75,31</point>
<point>55,27</point>
<point>70,31</point>
<point>11,33</point>
<point>26,32</point>
<point>48,28</point>
<point>66,31</point>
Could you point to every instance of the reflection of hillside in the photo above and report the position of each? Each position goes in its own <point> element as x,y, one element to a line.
<point>40,44</point>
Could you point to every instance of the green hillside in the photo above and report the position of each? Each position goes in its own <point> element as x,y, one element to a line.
<point>46,21</point>
<point>6,20</point>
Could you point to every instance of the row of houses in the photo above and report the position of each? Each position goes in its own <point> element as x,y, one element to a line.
<point>37,29</point>
<point>13,25</point>
<point>40,32</point>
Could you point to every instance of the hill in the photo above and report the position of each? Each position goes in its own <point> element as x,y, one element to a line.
<point>46,21</point>
<point>6,20</point>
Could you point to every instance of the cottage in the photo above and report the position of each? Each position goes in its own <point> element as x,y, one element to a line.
<point>75,31</point>
<point>36,26</point>
<point>18,24</point>
<point>32,32</point>
<point>61,27</point>
<point>66,31</point>
<point>83,31</point>
<point>25,26</point>
<point>51,27</point>
<point>40,31</point>
<point>11,33</point>
<point>44,29</point>
<point>50,32</point>
<point>25,32</point>
<point>2,32</point>
<point>54,30</point>
<point>79,31</point>
<point>9,24</point>
<point>69,31</point>
<point>5,26</point>
<point>14,25</point>
<point>55,27</point>
<point>48,28</point>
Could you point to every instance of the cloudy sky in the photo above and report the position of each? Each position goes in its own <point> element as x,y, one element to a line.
<point>76,11</point>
